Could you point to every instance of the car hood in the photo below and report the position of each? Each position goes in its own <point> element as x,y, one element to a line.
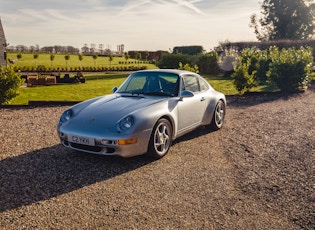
<point>108,110</point>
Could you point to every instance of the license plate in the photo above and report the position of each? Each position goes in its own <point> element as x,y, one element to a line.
<point>81,140</point>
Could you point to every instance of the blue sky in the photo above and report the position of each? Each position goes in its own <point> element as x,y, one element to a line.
<point>138,24</point>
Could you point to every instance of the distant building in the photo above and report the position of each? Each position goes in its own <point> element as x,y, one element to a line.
<point>3,45</point>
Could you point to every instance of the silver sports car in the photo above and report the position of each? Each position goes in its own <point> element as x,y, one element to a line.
<point>144,115</point>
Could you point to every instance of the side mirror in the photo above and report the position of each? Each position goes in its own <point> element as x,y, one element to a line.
<point>114,89</point>
<point>186,93</point>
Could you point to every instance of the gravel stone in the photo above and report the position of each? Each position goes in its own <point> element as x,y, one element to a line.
<point>257,172</point>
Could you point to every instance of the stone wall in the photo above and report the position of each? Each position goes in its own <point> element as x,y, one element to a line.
<point>2,46</point>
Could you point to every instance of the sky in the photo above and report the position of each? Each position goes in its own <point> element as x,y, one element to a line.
<point>147,25</point>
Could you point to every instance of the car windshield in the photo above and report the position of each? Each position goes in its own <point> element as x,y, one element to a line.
<point>151,83</point>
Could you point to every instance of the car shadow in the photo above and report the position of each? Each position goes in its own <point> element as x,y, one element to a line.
<point>45,173</point>
<point>198,132</point>
<point>252,99</point>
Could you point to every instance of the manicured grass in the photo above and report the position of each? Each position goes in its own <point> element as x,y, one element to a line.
<point>28,60</point>
<point>96,85</point>
<point>102,84</point>
<point>226,86</point>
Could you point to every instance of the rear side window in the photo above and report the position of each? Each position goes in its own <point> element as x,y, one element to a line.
<point>203,85</point>
<point>191,83</point>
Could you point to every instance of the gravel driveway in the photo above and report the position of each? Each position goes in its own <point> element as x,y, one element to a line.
<point>255,173</point>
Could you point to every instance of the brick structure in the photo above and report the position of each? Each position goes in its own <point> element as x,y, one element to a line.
<point>2,46</point>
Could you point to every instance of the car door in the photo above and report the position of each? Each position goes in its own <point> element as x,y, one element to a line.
<point>190,109</point>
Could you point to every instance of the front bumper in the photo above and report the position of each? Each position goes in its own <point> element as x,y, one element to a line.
<point>120,145</point>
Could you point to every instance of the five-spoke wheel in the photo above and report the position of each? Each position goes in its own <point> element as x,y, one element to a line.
<point>218,116</point>
<point>161,139</point>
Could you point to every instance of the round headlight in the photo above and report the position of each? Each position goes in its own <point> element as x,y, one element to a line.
<point>126,123</point>
<point>66,115</point>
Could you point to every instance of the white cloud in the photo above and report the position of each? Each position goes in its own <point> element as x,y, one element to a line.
<point>143,25</point>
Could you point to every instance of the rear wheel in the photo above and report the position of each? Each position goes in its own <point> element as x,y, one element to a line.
<point>161,139</point>
<point>218,116</point>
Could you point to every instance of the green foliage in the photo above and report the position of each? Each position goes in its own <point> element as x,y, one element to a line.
<point>190,50</point>
<point>208,63</point>
<point>19,56</point>
<point>244,77</point>
<point>290,69</point>
<point>188,67</point>
<point>10,82</point>
<point>171,61</point>
<point>284,20</point>
<point>52,58</point>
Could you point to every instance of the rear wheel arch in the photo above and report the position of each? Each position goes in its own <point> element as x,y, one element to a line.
<point>219,114</point>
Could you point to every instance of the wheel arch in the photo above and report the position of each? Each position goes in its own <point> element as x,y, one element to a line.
<point>172,122</point>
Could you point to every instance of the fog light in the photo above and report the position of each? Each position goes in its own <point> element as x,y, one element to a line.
<point>103,142</point>
<point>108,142</point>
<point>128,141</point>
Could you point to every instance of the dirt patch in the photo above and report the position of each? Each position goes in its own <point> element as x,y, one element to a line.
<point>257,172</point>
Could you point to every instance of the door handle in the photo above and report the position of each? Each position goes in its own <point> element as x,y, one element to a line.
<point>202,99</point>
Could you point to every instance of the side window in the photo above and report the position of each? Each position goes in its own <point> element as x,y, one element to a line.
<point>203,85</point>
<point>191,83</point>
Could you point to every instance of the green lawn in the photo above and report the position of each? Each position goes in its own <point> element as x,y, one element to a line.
<point>98,85</point>
<point>28,60</point>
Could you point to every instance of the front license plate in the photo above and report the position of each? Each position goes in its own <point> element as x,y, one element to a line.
<point>81,140</point>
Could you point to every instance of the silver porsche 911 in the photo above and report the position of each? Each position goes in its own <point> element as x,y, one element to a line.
<point>144,115</point>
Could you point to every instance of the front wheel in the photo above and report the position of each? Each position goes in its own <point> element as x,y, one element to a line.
<point>161,139</point>
<point>218,116</point>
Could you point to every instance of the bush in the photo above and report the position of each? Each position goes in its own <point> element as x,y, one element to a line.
<point>208,63</point>
<point>188,67</point>
<point>244,79</point>
<point>290,69</point>
<point>10,82</point>
<point>171,61</point>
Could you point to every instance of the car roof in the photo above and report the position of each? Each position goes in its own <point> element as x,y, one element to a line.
<point>174,71</point>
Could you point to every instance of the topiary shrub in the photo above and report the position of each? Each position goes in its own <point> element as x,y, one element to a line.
<point>10,82</point>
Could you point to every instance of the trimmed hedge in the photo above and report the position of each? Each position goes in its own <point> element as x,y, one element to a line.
<point>76,69</point>
<point>289,69</point>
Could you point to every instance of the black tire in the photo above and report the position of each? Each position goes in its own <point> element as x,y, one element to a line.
<point>161,139</point>
<point>218,116</point>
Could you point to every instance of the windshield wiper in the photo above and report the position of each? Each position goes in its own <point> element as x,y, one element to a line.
<point>158,94</point>
<point>130,94</point>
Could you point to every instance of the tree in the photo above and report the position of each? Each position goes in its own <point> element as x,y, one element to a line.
<point>110,58</point>
<point>138,56</point>
<point>127,56</point>
<point>19,56</point>
<point>146,55</point>
<point>67,58</point>
<point>95,56</point>
<point>283,19</point>
<point>80,56</point>
<point>52,58</point>
<point>35,57</point>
